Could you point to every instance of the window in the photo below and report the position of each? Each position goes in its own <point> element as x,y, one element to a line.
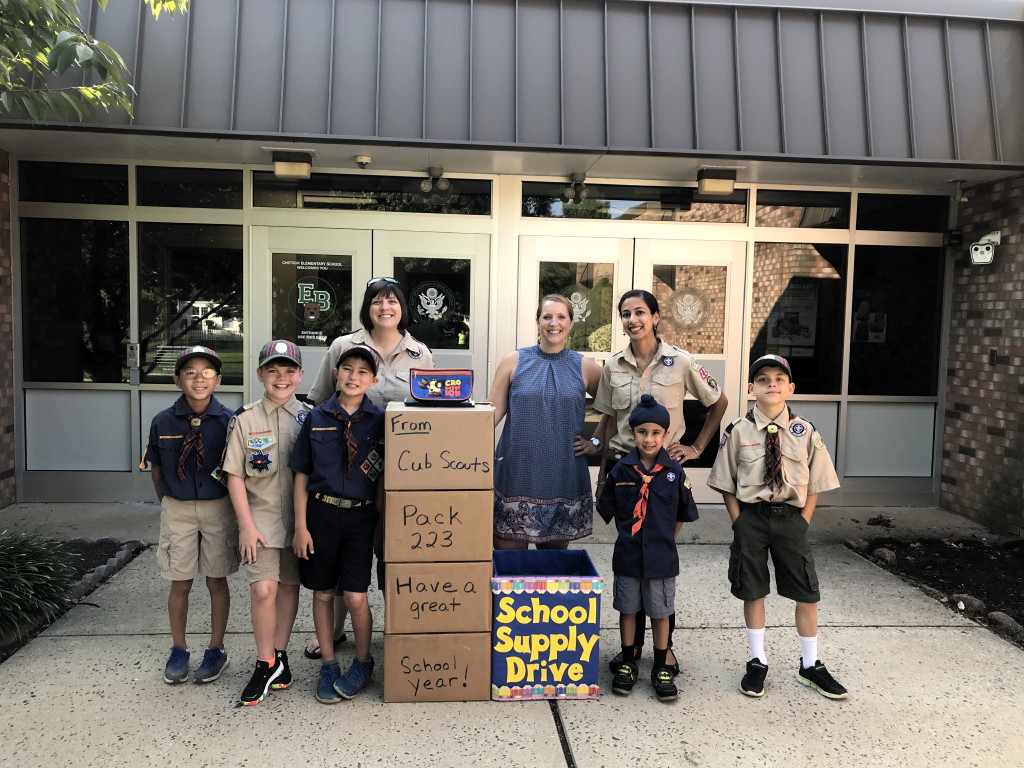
<point>608,201</point>
<point>189,187</point>
<point>73,183</point>
<point>793,208</point>
<point>902,213</point>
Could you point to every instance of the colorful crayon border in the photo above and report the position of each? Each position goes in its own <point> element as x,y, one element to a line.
<point>518,585</point>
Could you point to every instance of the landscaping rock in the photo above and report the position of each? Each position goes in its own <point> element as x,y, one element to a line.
<point>887,556</point>
<point>935,593</point>
<point>1001,619</point>
<point>856,544</point>
<point>971,605</point>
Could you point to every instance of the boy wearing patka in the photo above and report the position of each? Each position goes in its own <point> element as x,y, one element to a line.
<point>771,466</point>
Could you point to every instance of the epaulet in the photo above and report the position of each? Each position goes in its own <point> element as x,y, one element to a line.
<point>305,406</point>
<point>246,407</point>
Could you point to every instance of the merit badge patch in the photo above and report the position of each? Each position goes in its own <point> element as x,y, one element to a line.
<point>260,461</point>
<point>261,442</point>
<point>666,360</point>
<point>797,429</point>
<point>670,476</point>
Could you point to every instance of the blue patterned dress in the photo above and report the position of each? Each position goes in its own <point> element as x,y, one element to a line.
<point>541,491</point>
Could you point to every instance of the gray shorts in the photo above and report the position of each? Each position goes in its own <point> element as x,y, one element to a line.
<point>657,596</point>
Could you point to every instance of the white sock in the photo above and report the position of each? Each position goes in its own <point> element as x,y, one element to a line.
<point>808,650</point>
<point>755,639</point>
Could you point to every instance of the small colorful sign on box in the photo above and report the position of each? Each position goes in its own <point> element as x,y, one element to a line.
<point>546,625</point>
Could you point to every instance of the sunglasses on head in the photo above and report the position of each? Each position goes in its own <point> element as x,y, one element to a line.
<point>373,280</point>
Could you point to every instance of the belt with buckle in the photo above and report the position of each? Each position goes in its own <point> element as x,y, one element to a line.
<point>336,501</point>
<point>772,507</point>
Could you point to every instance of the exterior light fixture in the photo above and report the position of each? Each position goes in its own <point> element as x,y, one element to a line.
<point>435,181</point>
<point>716,181</point>
<point>292,165</point>
<point>576,190</point>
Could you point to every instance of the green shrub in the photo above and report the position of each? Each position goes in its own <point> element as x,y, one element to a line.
<point>36,574</point>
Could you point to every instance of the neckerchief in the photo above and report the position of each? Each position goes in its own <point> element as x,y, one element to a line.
<point>346,427</point>
<point>772,453</point>
<point>640,510</point>
<point>193,442</point>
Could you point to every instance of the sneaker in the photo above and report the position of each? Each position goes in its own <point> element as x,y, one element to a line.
<point>262,678</point>
<point>355,680</point>
<point>625,678</point>
<point>176,670</point>
<point>664,688</point>
<point>752,683</point>
<point>215,661</point>
<point>329,674</point>
<point>616,662</point>
<point>285,679</point>
<point>818,678</point>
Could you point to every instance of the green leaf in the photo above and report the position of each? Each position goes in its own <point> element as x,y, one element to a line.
<point>83,53</point>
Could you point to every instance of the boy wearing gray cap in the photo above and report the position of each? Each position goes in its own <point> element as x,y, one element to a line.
<point>771,466</point>
<point>650,497</point>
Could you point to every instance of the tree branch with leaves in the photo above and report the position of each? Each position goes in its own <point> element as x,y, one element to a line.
<point>43,38</point>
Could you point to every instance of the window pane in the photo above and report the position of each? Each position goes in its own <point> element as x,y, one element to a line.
<point>589,287</point>
<point>73,183</point>
<point>613,201</point>
<point>353,192</point>
<point>190,292</point>
<point>312,297</point>
<point>798,311</point>
<point>438,297</point>
<point>897,300</point>
<point>74,300</point>
<point>793,208</point>
<point>692,303</point>
<point>189,187</point>
<point>902,213</point>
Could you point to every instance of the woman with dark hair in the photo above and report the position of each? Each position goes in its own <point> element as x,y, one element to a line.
<point>650,366</point>
<point>385,316</point>
<point>542,490</point>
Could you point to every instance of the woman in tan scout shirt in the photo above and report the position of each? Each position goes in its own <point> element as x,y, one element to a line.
<point>385,317</point>
<point>649,365</point>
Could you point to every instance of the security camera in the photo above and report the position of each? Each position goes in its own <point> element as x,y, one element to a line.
<point>363,160</point>
<point>983,251</point>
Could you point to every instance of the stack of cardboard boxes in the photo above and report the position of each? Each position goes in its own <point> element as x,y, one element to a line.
<point>439,470</point>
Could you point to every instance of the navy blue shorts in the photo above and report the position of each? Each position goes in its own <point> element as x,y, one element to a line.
<point>342,547</point>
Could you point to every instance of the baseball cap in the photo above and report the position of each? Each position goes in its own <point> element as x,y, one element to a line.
<point>280,349</point>
<point>366,353</point>
<point>775,361</point>
<point>197,351</point>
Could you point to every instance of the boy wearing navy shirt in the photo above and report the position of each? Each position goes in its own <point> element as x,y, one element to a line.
<point>651,499</point>
<point>338,461</point>
<point>198,531</point>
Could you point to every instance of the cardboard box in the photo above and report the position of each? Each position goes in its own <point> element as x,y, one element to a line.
<point>437,597</point>
<point>453,667</point>
<point>547,625</point>
<point>438,448</point>
<point>438,526</point>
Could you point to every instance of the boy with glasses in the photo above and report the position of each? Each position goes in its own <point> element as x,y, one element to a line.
<point>198,531</point>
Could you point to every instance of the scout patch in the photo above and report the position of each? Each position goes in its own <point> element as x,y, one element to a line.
<point>671,477</point>
<point>666,360</point>
<point>415,354</point>
<point>260,461</point>
<point>301,417</point>
<point>231,424</point>
<point>712,383</point>
<point>818,442</point>
<point>797,429</point>
<point>259,443</point>
<point>373,465</point>
<point>686,484</point>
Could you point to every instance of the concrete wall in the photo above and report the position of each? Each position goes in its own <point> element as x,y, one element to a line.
<point>7,491</point>
<point>982,457</point>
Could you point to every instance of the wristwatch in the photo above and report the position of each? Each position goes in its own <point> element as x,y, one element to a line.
<point>596,442</point>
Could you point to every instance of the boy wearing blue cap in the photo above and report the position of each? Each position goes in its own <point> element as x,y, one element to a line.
<point>651,499</point>
<point>197,526</point>
<point>260,483</point>
<point>771,466</point>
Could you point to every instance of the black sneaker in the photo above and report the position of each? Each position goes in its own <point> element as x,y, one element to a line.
<point>818,678</point>
<point>262,678</point>
<point>625,678</point>
<point>752,683</point>
<point>616,662</point>
<point>285,678</point>
<point>664,688</point>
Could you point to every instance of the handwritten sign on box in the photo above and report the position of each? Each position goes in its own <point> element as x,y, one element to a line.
<point>449,667</point>
<point>437,597</point>
<point>438,526</point>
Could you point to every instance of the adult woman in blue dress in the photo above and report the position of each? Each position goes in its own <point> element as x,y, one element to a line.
<point>542,489</point>
<point>649,365</point>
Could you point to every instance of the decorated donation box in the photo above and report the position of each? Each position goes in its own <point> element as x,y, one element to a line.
<point>437,667</point>
<point>438,448</point>
<point>438,526</point>
<point>437,597</point>
<point>546,627</point>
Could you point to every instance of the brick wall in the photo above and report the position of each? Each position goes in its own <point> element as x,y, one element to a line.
<point>982,457</point>
<point>7,495</point>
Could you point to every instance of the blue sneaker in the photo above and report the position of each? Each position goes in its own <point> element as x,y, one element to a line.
<point>176,670</point>
<point>329,674</point>
<point>215,661</point>
<point>355,680</point>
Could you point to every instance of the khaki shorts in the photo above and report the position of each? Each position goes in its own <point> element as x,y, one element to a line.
<point>274,564</point>
<point>197,537</point>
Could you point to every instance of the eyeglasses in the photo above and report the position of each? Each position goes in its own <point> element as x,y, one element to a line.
<point>191,373</point>
<point>373,280</point>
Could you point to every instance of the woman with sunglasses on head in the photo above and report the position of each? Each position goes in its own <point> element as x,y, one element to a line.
<point>651,366</point>
<point>542,490</point>
<point>385,317</point>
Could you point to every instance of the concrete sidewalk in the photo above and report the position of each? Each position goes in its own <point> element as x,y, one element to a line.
<point>927,687</point>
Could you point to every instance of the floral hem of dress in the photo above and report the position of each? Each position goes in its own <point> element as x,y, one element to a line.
<point>541,521</point>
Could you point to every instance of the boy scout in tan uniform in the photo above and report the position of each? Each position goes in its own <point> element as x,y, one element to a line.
<point>259,444</point>
<point>771,466</point>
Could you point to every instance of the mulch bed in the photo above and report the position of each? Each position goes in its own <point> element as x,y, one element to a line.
<point>91,553</point>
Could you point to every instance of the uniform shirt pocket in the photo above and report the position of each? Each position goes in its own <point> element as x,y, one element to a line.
<point>667,385</point>
<point>750,467</point>
<point>795,466</point>
<point>622,390</point>
<point>262,462</point>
